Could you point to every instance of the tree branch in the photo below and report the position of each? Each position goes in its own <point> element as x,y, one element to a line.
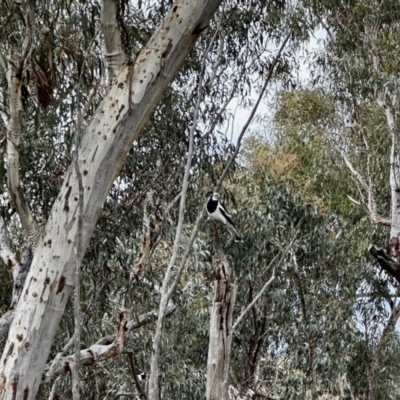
<point>134,374</point>
<point>115,55</point>
<point>370,207</point>
<point>387,263</point>
<point>14,80</point>
<point>103,349</point>
<point>253,112</point>
<point>266,285</point>
<point>165,290</point>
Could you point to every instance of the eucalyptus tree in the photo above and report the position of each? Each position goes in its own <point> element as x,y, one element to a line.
<point>360,87</point>
<point>361,72</point>
<point>133,91</point>
<point>79,82</point>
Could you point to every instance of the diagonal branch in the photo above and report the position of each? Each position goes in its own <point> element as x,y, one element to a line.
<point>202,212</point>
<point>387,263</point>
<point>267,284</point>
<point>165,290</point>
<point>104,348</point>
<point>253,111</point>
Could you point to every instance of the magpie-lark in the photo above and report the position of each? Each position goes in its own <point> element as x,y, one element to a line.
<point>217,211</point>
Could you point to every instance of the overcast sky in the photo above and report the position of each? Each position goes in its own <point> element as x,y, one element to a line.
<point>241,114</point>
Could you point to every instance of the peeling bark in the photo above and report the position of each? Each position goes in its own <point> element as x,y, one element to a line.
<point>220,335</point>
<point>221,330</point>
<point>102,151</point>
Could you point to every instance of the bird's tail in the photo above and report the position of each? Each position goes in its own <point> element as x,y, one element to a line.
<point>237,237</point>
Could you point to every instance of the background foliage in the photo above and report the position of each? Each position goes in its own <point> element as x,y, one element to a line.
<point>316,330</point>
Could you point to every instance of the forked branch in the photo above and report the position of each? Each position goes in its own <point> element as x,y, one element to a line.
<point>370,205</point>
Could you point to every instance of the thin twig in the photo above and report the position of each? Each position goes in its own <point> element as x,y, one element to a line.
<point>253,112</point>
<point>266,285</point>
<point>165,292</point>
<point>134,374</point>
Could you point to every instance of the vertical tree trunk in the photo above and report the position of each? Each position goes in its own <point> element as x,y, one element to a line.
<point>102,151</point>
<point>220,334</point>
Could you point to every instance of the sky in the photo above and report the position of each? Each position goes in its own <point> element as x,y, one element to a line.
<point>241,114</point>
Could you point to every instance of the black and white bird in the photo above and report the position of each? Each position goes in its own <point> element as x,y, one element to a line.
<point>217,211</point>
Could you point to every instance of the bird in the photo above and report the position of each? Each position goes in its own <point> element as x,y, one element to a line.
<point>217,211</point>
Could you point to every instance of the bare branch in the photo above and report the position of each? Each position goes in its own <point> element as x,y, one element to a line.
<point>371,206</point>
<point>115,56</point>
<point>253,112</point>
<point>53,389</point>
<point>103,349</point>
<point>165,291</point>
<point>267,284</point>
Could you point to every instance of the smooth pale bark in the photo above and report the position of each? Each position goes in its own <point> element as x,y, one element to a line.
<point>115,56</point>
<point>102,151</point>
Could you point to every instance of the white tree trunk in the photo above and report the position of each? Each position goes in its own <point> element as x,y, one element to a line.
<point>100,156</point>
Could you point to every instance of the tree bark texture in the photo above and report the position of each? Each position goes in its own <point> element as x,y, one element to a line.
<point>117,123</point>
<point>220,335</point>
